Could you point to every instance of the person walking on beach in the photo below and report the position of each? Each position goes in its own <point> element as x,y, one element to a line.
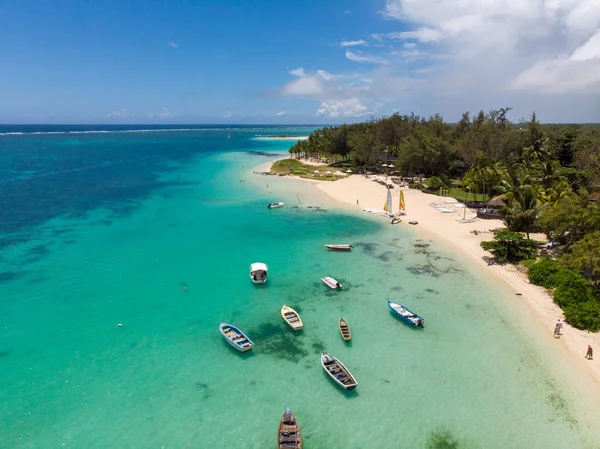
<point>558,327</point>
<point>590,353</point>
<point>357,202</point>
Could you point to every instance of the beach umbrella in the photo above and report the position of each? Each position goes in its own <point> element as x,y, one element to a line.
<point>391,166</point>
<point>384,165</point>
<point>348,171</point>
<point>327,172</point>
<point>316,171</point>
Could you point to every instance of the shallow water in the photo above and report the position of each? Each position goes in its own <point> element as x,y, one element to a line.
<point>157,232</point>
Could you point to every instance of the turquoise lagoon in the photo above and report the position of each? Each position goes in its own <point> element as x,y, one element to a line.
<point>157,231</point>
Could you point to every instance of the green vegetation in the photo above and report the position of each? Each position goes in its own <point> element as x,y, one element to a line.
<point>545,175</point>
<point>297,168</point>
<point>572,292</point>
<point>509,246</point>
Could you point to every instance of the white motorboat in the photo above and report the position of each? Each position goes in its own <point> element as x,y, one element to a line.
<point>275,205</point>
<point>258,273</point>
<point>235,337</point>
<point>331,283</point>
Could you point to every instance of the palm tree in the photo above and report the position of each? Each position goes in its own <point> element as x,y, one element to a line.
<point>523,207</point>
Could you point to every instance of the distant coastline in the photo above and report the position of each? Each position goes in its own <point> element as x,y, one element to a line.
<point>282,137</point>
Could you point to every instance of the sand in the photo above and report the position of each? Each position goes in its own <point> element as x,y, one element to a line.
<point>443,228</point>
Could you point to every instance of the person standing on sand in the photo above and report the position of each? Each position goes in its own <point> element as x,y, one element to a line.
<point>357,202</point>
<point>558,326</point>
<point>590,353</point>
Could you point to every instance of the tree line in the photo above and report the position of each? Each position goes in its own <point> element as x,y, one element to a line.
<point>548,177</point>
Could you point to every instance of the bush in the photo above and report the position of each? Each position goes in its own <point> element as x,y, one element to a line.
<point>528,263</point>
<point>542,273</point>
<point>434,183</point>
<point>584,315</point>
<point>509,246</point>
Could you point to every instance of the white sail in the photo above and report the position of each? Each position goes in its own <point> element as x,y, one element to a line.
<point>388,203</point>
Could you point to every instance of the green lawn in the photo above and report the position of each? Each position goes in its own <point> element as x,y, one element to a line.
<point>461,194</point>
<point>297,168</point>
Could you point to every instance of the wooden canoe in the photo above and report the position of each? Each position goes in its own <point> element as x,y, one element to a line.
<point>345,330</point>
<point>291,317</point>
<point>338,247</point>
<point>338,372</point>
<point>288,433</point>
<point>235,337</point>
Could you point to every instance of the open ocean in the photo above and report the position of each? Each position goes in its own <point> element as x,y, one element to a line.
<point>156,230</point>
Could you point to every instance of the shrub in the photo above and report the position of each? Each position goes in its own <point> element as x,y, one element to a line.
<point>584,315</point>
<point>542,273</point>
<point>528,263</point>
<point>509,246</point>
<point>434,183</point>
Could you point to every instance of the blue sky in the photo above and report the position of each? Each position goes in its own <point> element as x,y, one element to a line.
<point>282,61</point>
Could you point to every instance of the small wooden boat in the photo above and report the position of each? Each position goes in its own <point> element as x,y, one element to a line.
<point>338,372</point>
<point>395,220</point>
<point>345,330</point>
<point>331,283</point>
<point>258,273</point>
<point>413,222</point>
<point>235,337</point>
<point>288,433</point>
<point>291,317</point>
<point>275,205</point>
<point>411,318</point>
<point>338,247</point>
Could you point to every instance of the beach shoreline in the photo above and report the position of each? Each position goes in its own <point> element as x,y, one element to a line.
<point>358,192</point>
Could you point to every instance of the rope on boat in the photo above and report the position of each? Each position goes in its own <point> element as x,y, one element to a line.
<point>374,375</point>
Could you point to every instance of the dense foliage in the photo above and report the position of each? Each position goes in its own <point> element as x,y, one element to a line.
<point>547,177</point>
<point>509,246</point>
<point>573,293</point>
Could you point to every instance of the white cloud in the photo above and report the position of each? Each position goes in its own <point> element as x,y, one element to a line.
<point>173,44</point>
<point>227,114</point>
<point>422,34</point>
<point>352,43</point>
<point>306,86</point>
<point>451,57</point>
<point>350,107</point>
<point>280,113</point>
<point>347,11</point>
<point>297,72</point>
<point>120,113</point>
<point>364,58</point>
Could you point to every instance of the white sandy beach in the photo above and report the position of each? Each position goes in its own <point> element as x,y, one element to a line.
<point>444,227</point>
<point>446,230</point>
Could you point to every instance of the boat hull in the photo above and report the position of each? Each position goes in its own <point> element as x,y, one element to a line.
<point>412,319</point>
<point>288,432</point>
<point>334,373</point>
<point>229,332</point>
<point>345,331</point>
<point>288,314</point>
<point>339,247</point>
<point>331,283</point>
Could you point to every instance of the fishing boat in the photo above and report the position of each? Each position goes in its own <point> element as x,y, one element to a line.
<point>411,318</point>
<point>288,432</point>
<point>338,372</point>
<point>258,273</point>
<point>395,219</point>
<point>235,337</point>
<point>413,222</point>
<point>291,317</point>
<point>338,247</point>
<point>345,330</point>
<point>275,205</point>
<point>331,283</point>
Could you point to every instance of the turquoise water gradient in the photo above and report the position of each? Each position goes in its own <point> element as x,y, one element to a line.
<point>170,263</point>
